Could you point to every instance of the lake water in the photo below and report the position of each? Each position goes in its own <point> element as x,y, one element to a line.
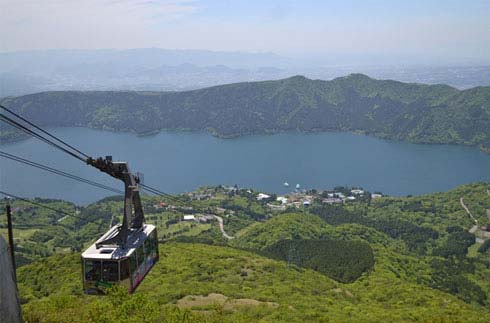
<point>179,162</point>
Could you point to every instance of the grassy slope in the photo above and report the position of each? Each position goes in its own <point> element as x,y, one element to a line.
<point>287,226</point>
<point>395,290</point>
<point>302,295</point>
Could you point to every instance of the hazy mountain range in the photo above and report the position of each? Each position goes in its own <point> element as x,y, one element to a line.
<point>169,70</point>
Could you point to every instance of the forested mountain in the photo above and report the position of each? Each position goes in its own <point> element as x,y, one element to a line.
<point>386,109</point>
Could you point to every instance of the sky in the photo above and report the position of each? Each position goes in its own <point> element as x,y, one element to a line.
<point>437,30</point>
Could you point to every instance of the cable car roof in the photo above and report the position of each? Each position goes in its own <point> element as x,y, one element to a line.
<point>135,239</point>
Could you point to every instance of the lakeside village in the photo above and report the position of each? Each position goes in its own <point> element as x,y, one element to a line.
<point>233,208</point>
<point>296,199</point>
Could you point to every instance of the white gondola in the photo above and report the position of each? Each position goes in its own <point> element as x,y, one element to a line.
<point>127,252</point>
<point>106,266</point>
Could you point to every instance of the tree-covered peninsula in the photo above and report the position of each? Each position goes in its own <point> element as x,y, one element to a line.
<point>387,109</point>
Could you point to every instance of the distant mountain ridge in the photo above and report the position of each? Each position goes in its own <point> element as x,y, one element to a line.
<point>387,109</point>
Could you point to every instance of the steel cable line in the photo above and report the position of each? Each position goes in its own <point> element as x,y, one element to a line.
<point>163,194</point>
<point>58,172</point>
<point>46,207</point>
<point>38,136</point>
<point>42,130</point>
<point>32,133</point>
<point>170,197</point>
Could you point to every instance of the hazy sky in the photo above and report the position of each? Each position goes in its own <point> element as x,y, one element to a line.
<point>440,29</point>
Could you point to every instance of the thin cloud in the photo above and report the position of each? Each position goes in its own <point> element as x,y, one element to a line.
<point>84,24</point>
<point>426,28</point>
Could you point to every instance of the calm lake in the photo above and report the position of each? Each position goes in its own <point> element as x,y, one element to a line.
<point>179,162</point>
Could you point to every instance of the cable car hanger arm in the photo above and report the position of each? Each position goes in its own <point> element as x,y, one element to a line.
<point>132,200</point>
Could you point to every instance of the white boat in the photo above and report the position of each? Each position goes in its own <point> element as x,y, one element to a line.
<point>297,186</point>
<point>286,184</point>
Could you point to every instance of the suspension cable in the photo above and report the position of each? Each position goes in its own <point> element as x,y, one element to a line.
<point>45,206</point>
<point>42,130</point>
<point>158,192</point>
<point>58,172</point>
<point>38,136</point>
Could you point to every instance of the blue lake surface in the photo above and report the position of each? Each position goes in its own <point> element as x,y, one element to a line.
<point>179,162</point>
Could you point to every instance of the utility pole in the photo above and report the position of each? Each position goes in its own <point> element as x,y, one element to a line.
<point>11,236</point>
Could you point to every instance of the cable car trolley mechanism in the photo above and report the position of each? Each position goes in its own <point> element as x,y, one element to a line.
<point>127,252</point>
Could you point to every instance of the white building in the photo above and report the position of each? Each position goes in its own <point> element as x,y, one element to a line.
<point>357,192</point>
<point>277,207</point>
<point>376,196</point>
<point>189,218</point>
<point>332,200</point>
<point>282,199</point>
<point>262,196</point>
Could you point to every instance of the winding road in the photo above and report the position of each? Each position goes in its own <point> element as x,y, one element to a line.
<point>461,200</point>
<point>221,227</point>
<point>475,227</point>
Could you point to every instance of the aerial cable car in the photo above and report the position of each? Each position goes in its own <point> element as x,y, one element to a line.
<point>127,252</point>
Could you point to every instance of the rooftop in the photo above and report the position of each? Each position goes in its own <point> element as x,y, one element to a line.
<point>135,239</point>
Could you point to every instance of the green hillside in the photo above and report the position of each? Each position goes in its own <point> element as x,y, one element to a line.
<point>237,286</point>
<point>387,109</point>
<point>261,235</point>
<point>384,259</point>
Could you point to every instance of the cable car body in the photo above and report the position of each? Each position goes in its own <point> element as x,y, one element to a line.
<point>127,252</point>
<point>106,266</point>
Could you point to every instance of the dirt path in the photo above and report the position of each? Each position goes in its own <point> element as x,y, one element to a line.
<point>475,227</point>
<point>461,200</point>
<point>221,227</point>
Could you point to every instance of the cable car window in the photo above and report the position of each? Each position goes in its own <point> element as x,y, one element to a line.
<point>132,262</point>
<point>92,270</point>
<point>155,241</point>
<point>148,247</point>
<point>140,255</point>
<point>110,271</point>
<point>153,246</point>
<point>124,271</point>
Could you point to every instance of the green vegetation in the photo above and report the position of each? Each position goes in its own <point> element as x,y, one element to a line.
<point>341,260</point>
<point>259,236</point>
<point>384,259</point>
<point>386,109</point>
<point>485,247</point>
<point>262,289</point>
<point>416,237</point>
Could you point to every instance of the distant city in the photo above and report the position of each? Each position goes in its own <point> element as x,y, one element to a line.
<point>175,70</point>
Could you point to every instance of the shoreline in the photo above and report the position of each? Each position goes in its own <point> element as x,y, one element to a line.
<point>22,137</point>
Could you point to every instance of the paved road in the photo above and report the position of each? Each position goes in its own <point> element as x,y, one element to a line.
<point>221,227</point>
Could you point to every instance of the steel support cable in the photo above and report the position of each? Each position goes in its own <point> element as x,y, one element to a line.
<point>44,131</point>
<point>58,172</point>
<point>158,192</point>
<point>46,207</point>
<point>171,197</point>
<point>38,136</point>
